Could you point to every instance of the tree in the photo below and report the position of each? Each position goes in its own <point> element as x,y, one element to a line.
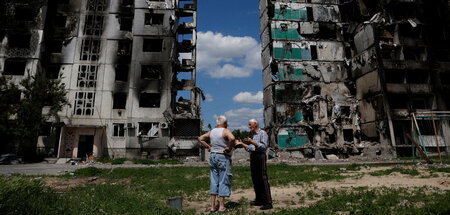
<point>9,102</point>
<point>37,92</point>
<point>238,134</point>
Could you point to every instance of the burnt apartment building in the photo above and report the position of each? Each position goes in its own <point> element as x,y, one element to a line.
<point>128,66</point>
<point>356,76</point>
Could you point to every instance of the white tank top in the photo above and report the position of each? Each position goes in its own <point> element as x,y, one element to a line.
<point>218,143</point>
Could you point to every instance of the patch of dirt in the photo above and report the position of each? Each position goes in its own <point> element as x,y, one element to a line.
<point>292,197</point>
<point>64,184</point>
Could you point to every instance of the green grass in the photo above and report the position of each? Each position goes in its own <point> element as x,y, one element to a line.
<point>139,161</point>
<point>146,190</point>
<point>366,201</point>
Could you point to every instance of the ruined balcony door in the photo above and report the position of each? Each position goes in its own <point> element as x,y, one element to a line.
<point>85,145</point>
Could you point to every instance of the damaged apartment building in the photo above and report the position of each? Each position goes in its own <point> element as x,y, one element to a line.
<point>352,77</point>
<point>128,66</point>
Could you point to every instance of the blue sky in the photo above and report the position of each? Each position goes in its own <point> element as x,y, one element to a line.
<point>228,61</point>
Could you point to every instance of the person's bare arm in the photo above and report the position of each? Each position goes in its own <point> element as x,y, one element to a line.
<point>230,137</point>
<point>202,139</point>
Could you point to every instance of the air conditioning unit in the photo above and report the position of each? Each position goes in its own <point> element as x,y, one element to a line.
<point>164,125</point>
<point>130,125</point>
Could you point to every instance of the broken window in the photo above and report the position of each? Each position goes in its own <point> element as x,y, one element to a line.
<point>421,102</point>
<point>417,77</point>
<point>398,101</point>
<point>60,21</point>
<point>126,23</point>
<point>127,2</point>
<point>395,76</point>
<point>154,19</point>
<point>96,5</point>
<point>90,49</point>
<point>149,129</point>
<point>153,45</point>
<point>309,12</point>
<point>25,14</point>
<point>317,90</point>
<point>124,48</point>
<point>14,67</point>
<point>56,46</point>
<point>84,103</point>
<point>445,78</point>
<point>118,129</point>
<point>52,71</point>
<point>93,25</point>
<point>87,76</point>
<point>313,52</point>
<point>151,71</point>
<point>19,41</point>
<point>119,100</point>
<point>284,27</point>
<point>121,72</point>
<point>149,100</point>
<point>348,135</point>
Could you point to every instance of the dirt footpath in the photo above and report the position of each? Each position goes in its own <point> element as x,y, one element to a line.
<point>295,196</point>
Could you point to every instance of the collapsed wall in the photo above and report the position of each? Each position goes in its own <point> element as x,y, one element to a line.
<point>324,67</point>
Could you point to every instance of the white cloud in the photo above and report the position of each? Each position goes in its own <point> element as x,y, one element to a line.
<point>238,119</point>
<point>227,56</point>
<point>209,97</point>
<point>249,98</point>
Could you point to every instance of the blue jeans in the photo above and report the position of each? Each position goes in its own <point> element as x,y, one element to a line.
<point>220,174</point>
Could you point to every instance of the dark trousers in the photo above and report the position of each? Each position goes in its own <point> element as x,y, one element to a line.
<point>258,166</point>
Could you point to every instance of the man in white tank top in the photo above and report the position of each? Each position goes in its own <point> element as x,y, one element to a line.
<point>222,142</point>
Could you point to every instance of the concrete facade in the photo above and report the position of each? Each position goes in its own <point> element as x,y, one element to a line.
<point>347,76</point>
<point>129,68</point>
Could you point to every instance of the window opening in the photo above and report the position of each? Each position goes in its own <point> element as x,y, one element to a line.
<point>87,76</point>
<point>148,129</point>
<point>119,130</point>
<point>149,100</point>
<point>151,71</point>
<point>153,45</point>
<point>119,100</point>
<point>84,103</point>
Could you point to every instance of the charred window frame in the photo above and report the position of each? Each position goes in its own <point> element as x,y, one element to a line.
<point>60,21</point>
<point>152,45</point>
<point>152,72</point>
<point>119,100</point>
<point>126,22</point>
<point>14,67</point>
<point>118,130</point>
<point>124,47</point>
<point>121,71</point>
<point>445,78</point>
<point>149,100</point>
<point>90,49</point>
<point>84,103</point>
<point>56,46</point>
<point>96,5</point>
<point>52,71</point>
<point>149,129</point>
<point>93,25</point>
<point>127,2</point>
<point>87,76</point>
<point>24,14</point>
<point>154,19</point>
<point>19,41</point>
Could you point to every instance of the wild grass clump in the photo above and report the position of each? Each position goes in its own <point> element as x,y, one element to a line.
<point>89,172</point>
<point>154,162</point>
<point>20,195</point>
